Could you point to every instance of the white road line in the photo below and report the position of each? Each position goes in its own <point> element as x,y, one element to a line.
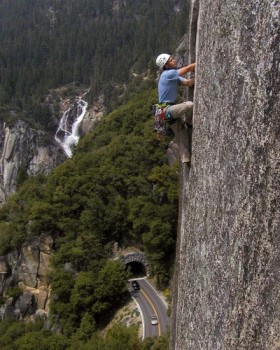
<point>142,317</point>
<point>154,310</point>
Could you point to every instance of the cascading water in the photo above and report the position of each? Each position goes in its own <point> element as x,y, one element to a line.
<point>67,135</point>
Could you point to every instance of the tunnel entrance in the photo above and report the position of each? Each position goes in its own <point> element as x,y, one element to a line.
<point>137,263</point>
<point>137,269</point>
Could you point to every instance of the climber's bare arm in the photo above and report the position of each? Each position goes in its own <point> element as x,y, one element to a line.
<point>186,69</point>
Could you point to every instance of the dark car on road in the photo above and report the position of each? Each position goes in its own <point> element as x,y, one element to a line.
<point>135,285</point>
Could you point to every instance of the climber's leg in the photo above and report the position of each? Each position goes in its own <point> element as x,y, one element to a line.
<point>182,110</point>
<point>183,114</point>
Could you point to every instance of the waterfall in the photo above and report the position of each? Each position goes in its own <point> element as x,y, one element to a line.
<point>67,135</point>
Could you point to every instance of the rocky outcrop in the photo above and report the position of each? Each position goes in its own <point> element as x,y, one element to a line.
<point>227,283</point>
<point>24,289</point>
<point>23,149</point>
<point>172,152</point>
<point>25,272</point>
<point>93,116</point>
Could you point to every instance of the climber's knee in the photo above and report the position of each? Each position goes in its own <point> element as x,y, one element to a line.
<point>189,105</point>
<point>179,110</point>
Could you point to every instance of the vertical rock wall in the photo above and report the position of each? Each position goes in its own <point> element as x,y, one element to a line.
<point>227,294</point>
<point>186,50</point>
<point>25,270</point>
<point>23,148</point>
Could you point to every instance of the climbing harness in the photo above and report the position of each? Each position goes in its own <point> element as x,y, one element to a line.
<point>162,118</point>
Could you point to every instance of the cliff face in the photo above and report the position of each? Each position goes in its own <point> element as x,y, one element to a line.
<point>228,258</point>
<point>22,149</point>
<point>24,288</point>
<point>26,270</point>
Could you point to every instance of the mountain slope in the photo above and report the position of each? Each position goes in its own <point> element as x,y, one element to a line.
<point>116,188</point>
<point>96,44</point>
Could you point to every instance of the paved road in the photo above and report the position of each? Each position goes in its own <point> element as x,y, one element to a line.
<point>151,303</point>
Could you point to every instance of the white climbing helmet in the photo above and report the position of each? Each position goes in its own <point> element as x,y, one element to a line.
<point>162,59</point>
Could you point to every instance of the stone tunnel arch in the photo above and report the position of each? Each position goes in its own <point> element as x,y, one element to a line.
<point>138,263</point>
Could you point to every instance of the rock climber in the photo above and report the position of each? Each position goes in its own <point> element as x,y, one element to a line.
<point>178,114</point>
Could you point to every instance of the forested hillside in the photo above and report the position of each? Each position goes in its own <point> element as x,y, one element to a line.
<point>116,188</point>
<point>96,44</point>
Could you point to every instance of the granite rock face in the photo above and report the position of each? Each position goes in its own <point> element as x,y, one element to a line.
<point>94,115</point>
<point>23,149</point>
<point>228,257</point>
<point>26,269</point>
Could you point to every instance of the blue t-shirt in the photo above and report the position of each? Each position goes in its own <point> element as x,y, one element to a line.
<point>168,85</point>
